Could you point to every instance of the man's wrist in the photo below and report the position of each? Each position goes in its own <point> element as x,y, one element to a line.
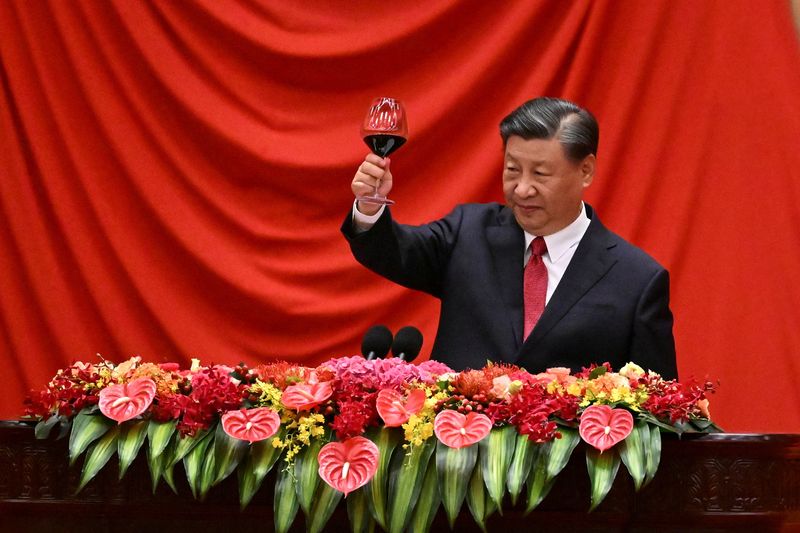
<point>367,209</point>
<point>362,221</point>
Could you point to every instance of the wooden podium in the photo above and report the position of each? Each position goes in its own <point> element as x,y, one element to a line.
<point>718,482</point>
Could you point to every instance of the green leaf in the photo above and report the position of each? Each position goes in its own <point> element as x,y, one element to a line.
<point>195,458</point>
<point>653,455</point>
<point>647,417</point>
<point>184,445</point>
<point>358,511</point>
<point>43,428</point>
<point>285,503</point>
<point>406,473</point>
<point>228,453</point>
<point>159,435</point>
<point>98,456</point>
<point>428,501</point>
<point>377,489</point>
<point>549,460</point>
<point>539,482</point>
<point>496,454</point>
<point>561,450</point>
<point>325,501</point>
<point>602,471</point>
<point>454,466</point>
<point>633,452</point>
<point>208,472</point>
<point>260,460</point>
<point>86,429</point>
<point>131,438</point>
<point>480,504</point>
<point>169,476</point>
<point>306,471</point>
<point>597,372</point>
<point>524,452</point>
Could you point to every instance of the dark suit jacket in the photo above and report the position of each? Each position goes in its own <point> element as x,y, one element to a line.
<point>612,303</point>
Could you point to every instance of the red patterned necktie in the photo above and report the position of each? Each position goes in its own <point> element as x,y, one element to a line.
<point>535,285</point>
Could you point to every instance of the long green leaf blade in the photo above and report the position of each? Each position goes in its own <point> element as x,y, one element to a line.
<point>306,471</point>
<point>325,501</point>
<point>285,501</point>
<point>454,466</point>
<point>633,452</point>
<point>539,482</point>
<point>208,470</point>
<point>478,499</point>
<point>260,460</point>
<point>228,453</point>
<point>653,453</point>
<point>386,439</point>
<point>406,473</point>
<point>86,429</point>
<point>358,503</point>
<point>130,440</point>
<point>184,445</point>
<point>194,460</point>
<point>520,468</point>
<point>159,436</point>
<point>561,450</point>
<point>602,471</point>
<point>496,453</point>
<point>427,502</point>
<point>99,456</point>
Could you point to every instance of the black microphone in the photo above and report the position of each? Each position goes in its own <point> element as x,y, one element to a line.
<point>376,343</point>
<point>407,343</point>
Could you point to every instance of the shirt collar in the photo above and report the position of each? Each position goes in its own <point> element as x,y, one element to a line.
<point>561,241</point>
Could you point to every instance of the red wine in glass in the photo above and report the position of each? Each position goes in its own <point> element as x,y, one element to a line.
<point>385,129</point>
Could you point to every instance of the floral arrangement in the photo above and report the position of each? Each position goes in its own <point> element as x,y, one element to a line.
<point>398,440</point>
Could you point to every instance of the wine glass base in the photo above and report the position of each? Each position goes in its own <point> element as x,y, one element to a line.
<point>378,200</point>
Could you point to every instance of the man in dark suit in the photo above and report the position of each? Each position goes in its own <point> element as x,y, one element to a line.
<point>539,282</point>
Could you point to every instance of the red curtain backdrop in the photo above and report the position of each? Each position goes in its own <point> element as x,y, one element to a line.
<point>173,174</point>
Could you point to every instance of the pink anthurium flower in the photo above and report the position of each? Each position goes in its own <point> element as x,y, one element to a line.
<point>305,396</point>
<point>348,465</point>
<point>603,427</point>
<point>458,431</point>
<point>251,424</point>
<point>396,410</point>
<point>124,401</point>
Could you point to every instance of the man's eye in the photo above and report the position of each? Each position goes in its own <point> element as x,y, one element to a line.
<point>512,169</point>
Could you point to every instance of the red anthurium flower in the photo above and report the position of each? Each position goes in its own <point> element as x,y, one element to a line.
<point>251,424</point>
<point>124,401</point>
<point>458,431</point>
<point>603,427</point>
<point>396,410</point>
<point>348,465</point>
<point>304,396</point>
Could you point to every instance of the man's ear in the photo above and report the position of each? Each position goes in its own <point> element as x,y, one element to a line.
<point>587,169</point>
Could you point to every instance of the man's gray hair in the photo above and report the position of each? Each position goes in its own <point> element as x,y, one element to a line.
<point>547,118</point>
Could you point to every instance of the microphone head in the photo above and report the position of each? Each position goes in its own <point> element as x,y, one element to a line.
<point>407,343</point>
<point>377,340</point>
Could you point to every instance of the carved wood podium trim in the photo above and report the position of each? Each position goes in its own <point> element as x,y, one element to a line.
<point>714,482</point>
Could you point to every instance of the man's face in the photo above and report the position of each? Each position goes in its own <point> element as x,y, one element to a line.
<point>542,187</point>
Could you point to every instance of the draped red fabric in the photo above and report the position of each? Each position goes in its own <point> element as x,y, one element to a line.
<point>173,174</point>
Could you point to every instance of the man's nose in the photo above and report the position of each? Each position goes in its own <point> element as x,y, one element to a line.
<point>525,189</point>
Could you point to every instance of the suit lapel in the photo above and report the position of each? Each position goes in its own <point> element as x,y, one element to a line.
<point>589,264</point>
<point>507,243</point>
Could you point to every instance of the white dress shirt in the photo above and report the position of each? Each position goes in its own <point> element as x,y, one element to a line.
<point>561,245</point>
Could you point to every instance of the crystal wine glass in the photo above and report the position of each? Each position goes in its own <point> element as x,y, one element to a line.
<point>385,129</point>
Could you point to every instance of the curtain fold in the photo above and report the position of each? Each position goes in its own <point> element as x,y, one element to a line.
<point>173,175</point>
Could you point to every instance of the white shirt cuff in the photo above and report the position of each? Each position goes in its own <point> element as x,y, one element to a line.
<point>362,222</point>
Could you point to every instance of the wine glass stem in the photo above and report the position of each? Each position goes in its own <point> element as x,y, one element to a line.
<point>377,185</point>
